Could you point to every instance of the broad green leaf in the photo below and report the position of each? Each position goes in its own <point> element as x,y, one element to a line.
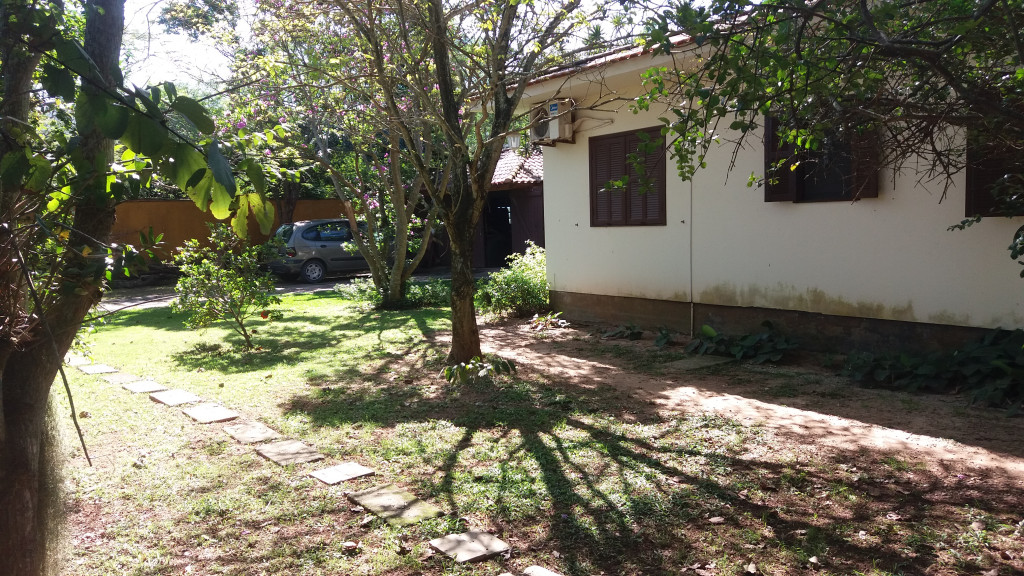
<point>186,162</point>
<point>201,193</point>
<point>255,173</point>
<point>58,81</point>
<point>219,166</point>
<point>220,203</point>
<point>196,114</point>
<point>263,210</point>
<point>240,222</point>
<point>144,135</point>
<point>71,54</point>
<point>41,172</point>
<point>113,121</point>
<point>151,107</point>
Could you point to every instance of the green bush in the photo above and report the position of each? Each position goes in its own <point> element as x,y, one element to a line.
<point>990,369</point>
<point>436,292</point>
<point>224,281</point>
<point>520,288</point>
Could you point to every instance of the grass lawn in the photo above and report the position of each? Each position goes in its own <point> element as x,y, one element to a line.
<point>581,480</point>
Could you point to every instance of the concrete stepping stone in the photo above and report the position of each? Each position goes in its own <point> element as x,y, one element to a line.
<point>97,369</point>
<point>469,546</point>
<point>144,387</point>
<point>209,412</point>
<point>174,397</point>
<point>341,472</point>
<point>289,452</point>
<point>396,506</point>
<point>121,378</point>
<point>698,362</point>
<point>251,432</point>
<point>538,571</point>
<point>75,360</point>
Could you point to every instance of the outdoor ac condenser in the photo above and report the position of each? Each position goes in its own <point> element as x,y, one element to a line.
<point>551,122</point>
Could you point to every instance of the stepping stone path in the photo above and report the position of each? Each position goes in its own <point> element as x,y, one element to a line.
<point>209,413</point>
<point>144,387</point>
<point>396,506</point>
<point>341,473</point>
<point>121,378</point>
<point>97,369</point>
<point>289,452</point>
<point>469,546</point>
<point>251,432</point>
<point>174,397</point>
<point>538,571</point>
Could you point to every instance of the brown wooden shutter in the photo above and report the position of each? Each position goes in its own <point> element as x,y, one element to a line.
<point>607,160</point>
<point>985,167</point>
<point>865,152</point>
<point>647,206</point>
<point>780,184</point>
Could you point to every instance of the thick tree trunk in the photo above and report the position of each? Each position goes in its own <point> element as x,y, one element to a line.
<point>465,336</point>
<point>28,372</point>
<point>461,223</point>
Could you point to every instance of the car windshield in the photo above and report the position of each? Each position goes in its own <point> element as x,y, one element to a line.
<point>285,232</point>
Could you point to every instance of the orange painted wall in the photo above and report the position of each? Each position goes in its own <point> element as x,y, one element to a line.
<point>180,220</point>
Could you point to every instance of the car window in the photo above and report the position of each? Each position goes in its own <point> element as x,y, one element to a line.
<point>335,231</point>
<point>312,233</point>
<point>284,233</point>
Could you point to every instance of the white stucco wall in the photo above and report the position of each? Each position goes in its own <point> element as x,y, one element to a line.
<point>889,258</point>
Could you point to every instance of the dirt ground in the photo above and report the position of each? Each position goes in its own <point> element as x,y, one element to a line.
<point>810,406</point>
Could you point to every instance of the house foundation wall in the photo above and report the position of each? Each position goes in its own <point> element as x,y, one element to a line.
<point>814,332</point>
<point>644,312</point>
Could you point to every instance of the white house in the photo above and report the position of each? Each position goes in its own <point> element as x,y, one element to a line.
<point>878,271</point>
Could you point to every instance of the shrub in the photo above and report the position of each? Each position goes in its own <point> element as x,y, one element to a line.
<point>520,288</point>
<point>431,293</point>
<point>990,369</point>
<point>224,281</point>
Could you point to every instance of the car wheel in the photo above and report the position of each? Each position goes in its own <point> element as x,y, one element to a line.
<point>313,271</point>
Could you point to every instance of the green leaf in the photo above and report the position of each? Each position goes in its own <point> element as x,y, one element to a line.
<point>255,173</point>
<point>263,210</point>
<point>144,135</point>
<point>195,112</point>
<point>58,81</point>
<point>151,107</point>
<point>185,162</point>
<point>202,192</point>
<point>113,122</point>
<point>220,167</point>
<point>240,222</point>
<point>14,167</point>
<point>71,54</point>
<point>42,169</point>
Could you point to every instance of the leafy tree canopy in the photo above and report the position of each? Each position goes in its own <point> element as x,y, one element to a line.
<point>928,78</point>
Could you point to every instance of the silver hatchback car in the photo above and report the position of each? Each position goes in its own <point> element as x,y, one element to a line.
<point>314,249</point>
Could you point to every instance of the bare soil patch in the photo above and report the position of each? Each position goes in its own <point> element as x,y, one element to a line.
<point>804,404</point>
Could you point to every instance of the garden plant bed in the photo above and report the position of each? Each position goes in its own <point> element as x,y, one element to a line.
<point>594,458</point>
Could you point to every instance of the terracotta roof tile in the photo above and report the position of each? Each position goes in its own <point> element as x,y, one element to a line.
<point>514,168</point>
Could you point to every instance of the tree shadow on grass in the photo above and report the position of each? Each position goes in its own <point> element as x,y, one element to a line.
<point>621,491</point>
<point>291,340</point>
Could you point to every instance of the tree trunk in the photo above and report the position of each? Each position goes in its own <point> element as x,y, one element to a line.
<point>465,336</point>
<point>461,223</point>
<point>28,371</point>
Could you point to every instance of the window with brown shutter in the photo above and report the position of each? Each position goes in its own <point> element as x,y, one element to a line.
<point>991,172</point>
<point>641,202</point>
<point>844,168</point>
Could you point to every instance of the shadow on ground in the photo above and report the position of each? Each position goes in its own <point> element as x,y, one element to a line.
<point>624,491</point>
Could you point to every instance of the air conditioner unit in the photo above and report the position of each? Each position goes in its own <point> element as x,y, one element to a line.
<point>551,122</point>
